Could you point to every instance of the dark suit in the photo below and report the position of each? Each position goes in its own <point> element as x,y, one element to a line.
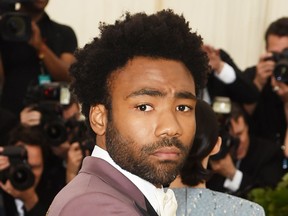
<point>100,189</point>
<point>261,167</point>
<point>11,209</point>
<point>268,119</point>
<point>241,90</point>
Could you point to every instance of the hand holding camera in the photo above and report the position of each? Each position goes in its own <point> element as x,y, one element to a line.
<point>224,166</point>
<point>265,68</point>
<point>274,65</point>
<point>280,88</point>
<point>15,167</point>
<point>74,159</point>
<point>4,160</point>
<point>30,117</point>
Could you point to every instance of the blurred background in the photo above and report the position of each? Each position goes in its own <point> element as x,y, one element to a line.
<point>236,26</point>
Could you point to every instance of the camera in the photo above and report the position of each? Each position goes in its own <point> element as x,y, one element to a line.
<point>14,26</point>
<point>280,71</point>
<point>222,107</point>
<point>19,172</point>
<point>52,123</point>
<point>57,92</point>
<point>51,99</point>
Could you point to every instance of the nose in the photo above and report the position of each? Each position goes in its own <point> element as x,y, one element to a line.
<point>168,125</point>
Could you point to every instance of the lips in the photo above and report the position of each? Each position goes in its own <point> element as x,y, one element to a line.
<point>167,153</point>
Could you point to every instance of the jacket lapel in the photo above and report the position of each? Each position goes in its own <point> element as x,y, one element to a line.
<point>116,179</point>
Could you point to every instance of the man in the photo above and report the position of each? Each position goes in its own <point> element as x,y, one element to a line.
<point>255,163</point>
<point>137,84</point>
<point>23,197</point>
<point>45,57</point>
<point>268,118</point>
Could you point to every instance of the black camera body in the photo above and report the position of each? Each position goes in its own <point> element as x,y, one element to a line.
<point>57,92</point>
<point>52,123</point>
<point>280,71</point>
<point>14,26</point>
<point>50,99</point>
<point>19,172</point>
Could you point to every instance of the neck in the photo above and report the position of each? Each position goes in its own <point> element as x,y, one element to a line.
<point>177,183</point>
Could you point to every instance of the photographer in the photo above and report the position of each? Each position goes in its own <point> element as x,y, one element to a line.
<point>44,57</point>
<point>270,76</point>
<point>256,162</point>
<point>64,130</point>
<point>20,186</point>
<point>226,79</point>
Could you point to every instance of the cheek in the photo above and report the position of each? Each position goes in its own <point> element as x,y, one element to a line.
<point>137,129</point>
<point>189,129</point>
<point>37,173</point>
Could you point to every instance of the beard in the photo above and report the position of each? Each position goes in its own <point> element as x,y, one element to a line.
<point>135,158</point>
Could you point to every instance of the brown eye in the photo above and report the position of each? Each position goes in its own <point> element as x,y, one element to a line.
<point>183,108</point>
<point>144,107</point>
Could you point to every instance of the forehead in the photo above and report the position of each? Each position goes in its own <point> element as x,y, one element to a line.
<point>277,43</point>
<point>162,74</point>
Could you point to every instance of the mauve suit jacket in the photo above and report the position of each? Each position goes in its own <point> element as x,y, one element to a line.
<point>100,189</point>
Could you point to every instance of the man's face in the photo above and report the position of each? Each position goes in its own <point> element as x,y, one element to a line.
<point>35,160</point>
<point>276,43</point>
<point>239,129</point>
<point>36,5</point>
<point>152,122</point>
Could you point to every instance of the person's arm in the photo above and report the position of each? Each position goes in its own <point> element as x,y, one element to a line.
<point>263,71</point>
<point>226,168</point>
<point>57,66</point>
<point>29,196</point>
<point>240,89</point>
<point>234,84</point>
<point>73,162</point>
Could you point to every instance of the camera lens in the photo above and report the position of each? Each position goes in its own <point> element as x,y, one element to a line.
<point>21,176</point>
<point>16,26</point>
<point>55,132</point>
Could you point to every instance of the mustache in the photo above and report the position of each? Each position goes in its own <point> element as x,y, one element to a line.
<point>165,142</point>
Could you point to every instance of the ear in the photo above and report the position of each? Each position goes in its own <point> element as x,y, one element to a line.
<point>98,119</point>
<point>217,146</point>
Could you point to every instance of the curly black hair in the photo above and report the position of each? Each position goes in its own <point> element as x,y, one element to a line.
<point>279,27</point>
<point>207,133</point>
<point>161,35</point>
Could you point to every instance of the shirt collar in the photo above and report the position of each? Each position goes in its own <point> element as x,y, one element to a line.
<point>148,189</point>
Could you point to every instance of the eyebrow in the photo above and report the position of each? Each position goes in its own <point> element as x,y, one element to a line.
<point>157,93</point>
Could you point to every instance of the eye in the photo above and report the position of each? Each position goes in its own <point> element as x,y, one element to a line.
<point>183,108</point>
<point>144,107</point>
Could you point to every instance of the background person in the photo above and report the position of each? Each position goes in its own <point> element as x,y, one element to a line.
<point>253,162</point>
<point>26,200</point>
<point>45,57</point>
<point>192,196</point>
<point>67,146</point>
<point>226,79</point>
<point>267,115</point>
